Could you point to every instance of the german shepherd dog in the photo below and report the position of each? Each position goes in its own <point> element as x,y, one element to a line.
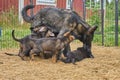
<point>61,20</point>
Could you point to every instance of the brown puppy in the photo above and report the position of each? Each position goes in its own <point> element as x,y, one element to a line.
<point>25,43</point>
<point>51,45</point>
<point>76,55</point>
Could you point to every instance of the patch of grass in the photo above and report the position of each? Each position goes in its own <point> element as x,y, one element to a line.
<point>8,22</point>
<point>6,40</point>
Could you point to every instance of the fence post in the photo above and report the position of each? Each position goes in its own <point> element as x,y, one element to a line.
<point>71,4</point>
<point>21,5</point>
<point>102,20</point>
<point>84,10</point>
<point>116,22</point>
<point>0,31</point>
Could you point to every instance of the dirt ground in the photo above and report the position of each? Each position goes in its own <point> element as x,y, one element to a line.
<point>105,66</point>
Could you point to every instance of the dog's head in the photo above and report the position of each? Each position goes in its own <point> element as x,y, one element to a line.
<point>88,37</point>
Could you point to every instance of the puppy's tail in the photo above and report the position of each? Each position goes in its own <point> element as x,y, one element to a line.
<point>11,54</point>
<point>13,36</point>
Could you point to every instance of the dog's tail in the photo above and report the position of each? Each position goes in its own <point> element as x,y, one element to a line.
<point>13,36</point>
<point>10,54</point>
<point>25,15</point>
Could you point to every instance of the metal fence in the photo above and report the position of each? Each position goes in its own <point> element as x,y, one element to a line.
<point>106,15</point>
<point>101,12</point>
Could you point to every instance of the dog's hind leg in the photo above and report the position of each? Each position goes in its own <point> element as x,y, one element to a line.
<point>42,55</point>
<point>73,61</point>
<point>54,57</point>
<point>22,56</point>
<point>32,55</point>
<point>33,52</point>
<point>66,50</point>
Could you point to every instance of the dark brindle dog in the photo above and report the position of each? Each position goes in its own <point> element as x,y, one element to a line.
<point>25,43</point>
<point>61,20</point>
<point>50,45</point>
<point>76,55</point>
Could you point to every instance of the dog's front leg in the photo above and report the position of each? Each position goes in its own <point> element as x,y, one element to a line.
<point>66,49</point>
<point>32,55</point>
<point>73,61</point>
<point>42,55</point>
<point>54,57</point>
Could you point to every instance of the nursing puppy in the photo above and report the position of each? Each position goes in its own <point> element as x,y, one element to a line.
<point>76,55</point>
<point>51,45</point>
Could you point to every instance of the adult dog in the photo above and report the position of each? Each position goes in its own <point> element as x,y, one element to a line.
<point>61,20</point>
<point>25,42</point>
<point>50,45</point>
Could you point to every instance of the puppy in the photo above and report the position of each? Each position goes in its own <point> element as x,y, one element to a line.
<point>76,55</point>
<point>25,43</point>
<point>53,46</point>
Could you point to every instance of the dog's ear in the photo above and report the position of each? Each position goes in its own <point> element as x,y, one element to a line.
<point>50,33</point>
<point>92,29</point>
<point>67,34</point>
<point>43,29</point>
<point>71,38</point>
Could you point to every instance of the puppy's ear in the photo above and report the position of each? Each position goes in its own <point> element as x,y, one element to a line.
<point>92,29</point>
<point>50,33</point>
<point>43,29</point>
<point>67,34</point>
<point>71,38</point>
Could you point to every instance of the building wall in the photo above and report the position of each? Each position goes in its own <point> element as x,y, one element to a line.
<point>59,4</point>
<point>78,6</point>
<point>5,5</point>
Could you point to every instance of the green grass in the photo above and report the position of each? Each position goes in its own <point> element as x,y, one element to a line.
<point>109,30</point>
<point>6,40</point>
<point>8,22</point>
<point>109,39</point>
